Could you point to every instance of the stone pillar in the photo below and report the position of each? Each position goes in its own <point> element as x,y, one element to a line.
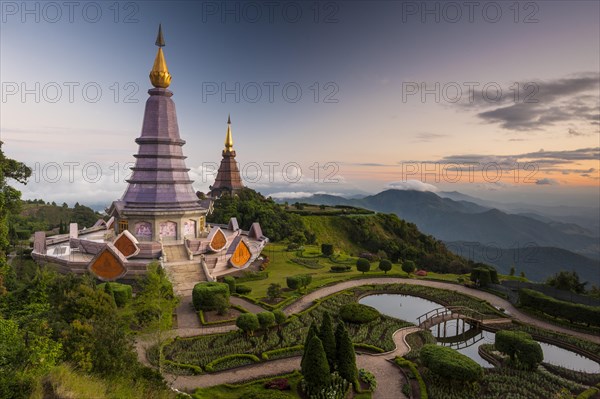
<point>73,230</point>
<point>39,242</point>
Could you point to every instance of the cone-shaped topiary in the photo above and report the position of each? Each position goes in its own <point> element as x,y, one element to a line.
<point>327,338</point>
<point>315,368</point>
<point>345,356</point>
<point>313,331</point>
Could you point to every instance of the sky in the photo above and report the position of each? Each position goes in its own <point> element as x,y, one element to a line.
<point>499,100</point>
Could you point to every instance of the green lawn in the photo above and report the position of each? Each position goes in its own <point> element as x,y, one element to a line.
<point>281,266</point>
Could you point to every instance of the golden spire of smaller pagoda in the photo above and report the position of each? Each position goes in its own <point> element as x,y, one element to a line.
<point>228,136</point>
<point>159,75</point>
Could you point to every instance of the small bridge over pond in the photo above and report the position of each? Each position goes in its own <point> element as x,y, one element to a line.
<point>444,314</point>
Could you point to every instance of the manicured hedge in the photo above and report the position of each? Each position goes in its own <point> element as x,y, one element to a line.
<point>574,312</point>
<point>340,268</point>
<point>210,367</point>
<point>230,281</point>
<point>298,281</point>
<point>203,295</point>
<point>121,292</point>
<point>282,352</point>
<point>243,289</point>
<point>400,361</point>
<point>358,313</point>
<point>450,364</point>
<point>588,393</point>
<point>520,346</point>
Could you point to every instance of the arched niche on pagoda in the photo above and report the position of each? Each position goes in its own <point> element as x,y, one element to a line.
<point>167,230</point>
<point>143,231</point>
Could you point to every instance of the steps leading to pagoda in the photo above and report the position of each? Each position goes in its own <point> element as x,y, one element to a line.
<point>175,253</point>
<point>184,275</point>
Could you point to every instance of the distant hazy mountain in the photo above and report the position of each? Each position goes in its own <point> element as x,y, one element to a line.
<point>539,263</point>
<point>586,217</point>
<point>462,220</point>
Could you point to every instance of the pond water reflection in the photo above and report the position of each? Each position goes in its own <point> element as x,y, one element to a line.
<point>460,336</point>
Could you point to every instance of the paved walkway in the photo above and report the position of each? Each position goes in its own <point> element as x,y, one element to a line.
<point>249,306</point>
<point>308,299</point>
<point>388,376</point>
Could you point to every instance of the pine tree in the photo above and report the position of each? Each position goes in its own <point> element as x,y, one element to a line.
<point>312,332</point>
<point>315,368</point>
<point>328,339</point>
<point>345,356</point>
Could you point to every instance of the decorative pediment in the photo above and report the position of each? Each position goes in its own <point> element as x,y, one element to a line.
<point>217,239</point>
<point>233,225</point>
<point>241,253</point>
<point>108,264</point>
<point>255,231</point>
<point>126,243</point>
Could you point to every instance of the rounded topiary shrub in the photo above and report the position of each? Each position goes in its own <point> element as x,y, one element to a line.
<point>450,364</point>
<point>121,292</point>
<point>243,289</point>
<point>358,313</point>
<point>203,295</point>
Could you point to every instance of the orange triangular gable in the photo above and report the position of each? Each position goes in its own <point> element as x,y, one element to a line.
<point>241,255</point>
<point>126,243</point>
<point>218,241</point>
<point>108,264</point>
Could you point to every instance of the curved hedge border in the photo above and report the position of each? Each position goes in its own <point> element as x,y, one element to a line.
<point>368,347</point>
<point>574,312</point>
<point>403,363</point>
<point>285,352</point>
<point>589,393</point>
<point>196,370</point>
<point>219,322</point>
<point>210,367</point>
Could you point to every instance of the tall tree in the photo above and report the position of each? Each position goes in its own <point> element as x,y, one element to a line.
<point>10,198</point>
<point>345,355</point>
<point>328,339</point>
<point>313,331</point>
<point>315,368</point>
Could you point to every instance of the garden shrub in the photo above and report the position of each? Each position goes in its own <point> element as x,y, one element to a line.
<point>385,265</point>
<point>230,281</point>
<point>363,265</point>
<point>266,320</point>
<point>327,249</point>
<point>368,378</point>
<point>204,295</point>
<point>247,322</point>
<point>358,313</point>
<point>340,268</point>
<point>298,281</point>
<point>121,292</point>
<point>574,312</point>
<point>243,289</point>
<point>450,364</point>
<point>520,347</point>
<point>244,357</point>
<point>279,384</point>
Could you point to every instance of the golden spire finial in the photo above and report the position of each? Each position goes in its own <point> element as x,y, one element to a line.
<point>160,76</point>
<point>228,136</point>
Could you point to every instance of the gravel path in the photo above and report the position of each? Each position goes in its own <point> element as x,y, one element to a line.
<point>388,376</point>
<point>308,299</point>
<point>249,306</point>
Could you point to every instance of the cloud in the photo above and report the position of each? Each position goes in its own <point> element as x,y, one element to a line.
<point>427,137</point>
<point>541,103</point>
<point>546,181</point>
<point>415,185</point>
<point>299,194</point>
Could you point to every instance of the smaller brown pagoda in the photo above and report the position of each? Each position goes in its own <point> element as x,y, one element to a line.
<point>228,180</point>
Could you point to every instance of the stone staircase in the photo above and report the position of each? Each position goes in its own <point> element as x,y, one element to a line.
<point>184,275</point>
<point>175,253</point>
